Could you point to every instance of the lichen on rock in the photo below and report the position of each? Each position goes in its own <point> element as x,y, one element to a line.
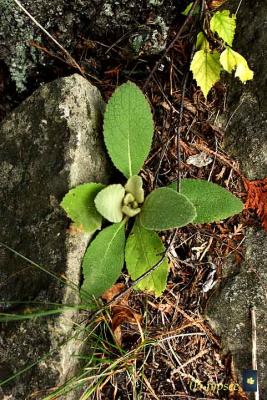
<point>143,24</point>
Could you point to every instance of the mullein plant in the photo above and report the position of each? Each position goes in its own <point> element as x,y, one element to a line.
<point>128,134</point>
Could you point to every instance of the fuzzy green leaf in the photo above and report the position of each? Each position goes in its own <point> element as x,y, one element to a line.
<point>80,208</point>
<point>224,25</point>
<point>109,202</point>
<point>143,250</point>
<point>212,202</point>
<point>164,208</point>
<point>231,60</point>
<point>134,186</point>
<point>128,129</point>
<point>103,261</point>
<point>206,69</point>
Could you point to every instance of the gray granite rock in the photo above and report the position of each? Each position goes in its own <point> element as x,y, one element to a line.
<point>246,139</point>
<point>246,117</point>
<point>50,143</point>
<point>229,308</point>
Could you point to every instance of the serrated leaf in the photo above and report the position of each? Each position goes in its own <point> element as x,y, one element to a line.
<point>202,43</point>
<point>231,60</point>
<point>80,208</point>
<point>244,73</point>
<point>164,208</point>
<point>224,25</point>
<point>206,69</point>
<point>128,129</point>
<point>108,202</point>
<point>103,261</point>
<point>134,185</point>
<point>213,202</point>
<point>143,250</point>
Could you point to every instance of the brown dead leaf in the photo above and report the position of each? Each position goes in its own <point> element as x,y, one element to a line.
<point>113,292</point>
<point>122,314</point>
<point>213,4</point>
<point>257,198</point>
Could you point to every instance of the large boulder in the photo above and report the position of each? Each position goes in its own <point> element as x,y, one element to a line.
<point>229,310</point>
<point>246,139</point>
<point>49,144</point>
<point>245,119</point>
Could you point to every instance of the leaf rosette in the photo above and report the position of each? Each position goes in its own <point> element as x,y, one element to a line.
<point>128,129</point>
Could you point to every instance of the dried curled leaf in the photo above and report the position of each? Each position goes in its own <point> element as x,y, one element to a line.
<point>114,291</point>
<point>123,314</point>
<point>257,198</point>
<point>213,4</point>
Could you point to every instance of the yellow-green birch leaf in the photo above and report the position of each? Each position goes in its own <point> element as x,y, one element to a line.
<point>244,73</point>
<point>143,250</point>
<point>202,43</point>
<point>231,60</point>
<point>206,69</point>
<point>224,25</point>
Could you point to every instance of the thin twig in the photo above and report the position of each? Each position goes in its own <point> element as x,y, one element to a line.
<point>220,157</point>
<point>192,359</point>
<point>69,57</point>
<point>178,149</point>
<point>178,133</point>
